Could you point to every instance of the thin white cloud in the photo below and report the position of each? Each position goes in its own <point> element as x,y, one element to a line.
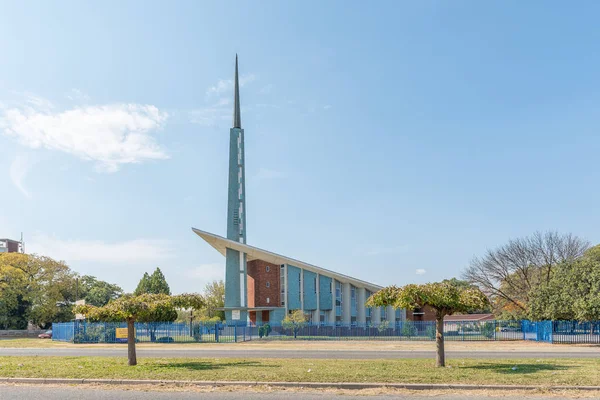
<point>226,85</point>
<point>420,271</point>
<point>110,135</point>
<point>326,106</point>
<point>124,252</point>
<point>19,168</point>
<point>206,273</point>
<point>77,95</point>
<point>37,102</point>
<point>266,173</point>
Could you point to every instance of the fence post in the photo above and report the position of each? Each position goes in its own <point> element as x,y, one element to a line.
<point>217,333</point>
<point>235,333</point>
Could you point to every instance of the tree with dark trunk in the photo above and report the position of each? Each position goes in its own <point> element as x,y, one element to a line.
<point>509,273</point>
<point>444,298</point>
<point>131,308</point>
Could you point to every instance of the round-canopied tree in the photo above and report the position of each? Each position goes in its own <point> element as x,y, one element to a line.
<point>443,298</point>
<point>131,308</point>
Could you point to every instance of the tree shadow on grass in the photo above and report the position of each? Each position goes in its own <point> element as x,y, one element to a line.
<point>205,366</point>
<point>521,368</point>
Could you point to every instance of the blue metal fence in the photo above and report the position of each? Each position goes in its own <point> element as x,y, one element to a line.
<point>154,332</point>
<point>576,332</point>
<point>199,332</point>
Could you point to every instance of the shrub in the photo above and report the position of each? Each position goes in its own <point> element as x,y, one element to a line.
<point>430,332</point>
<point>383,325</point>
<point>488,330</point>
<point>264,330</point>
<point>409,329</point>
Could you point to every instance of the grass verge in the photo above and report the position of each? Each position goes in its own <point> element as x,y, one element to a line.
<point>465,371</point>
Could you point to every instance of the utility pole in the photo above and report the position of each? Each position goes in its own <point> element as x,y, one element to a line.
<point>191,322</point>
<point>76,288</point>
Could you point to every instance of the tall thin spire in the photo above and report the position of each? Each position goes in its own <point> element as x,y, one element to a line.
<point>237,115</point>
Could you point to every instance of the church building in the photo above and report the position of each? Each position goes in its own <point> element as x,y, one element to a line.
<point>263,286</point>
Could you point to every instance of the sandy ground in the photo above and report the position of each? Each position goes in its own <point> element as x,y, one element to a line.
<point>470,394</point>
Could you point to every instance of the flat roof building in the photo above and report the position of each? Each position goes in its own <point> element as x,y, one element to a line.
<point>263,286</point>
<point>10,246</point>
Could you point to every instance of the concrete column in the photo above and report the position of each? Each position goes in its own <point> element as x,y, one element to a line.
<point>346,304</point>
<point>285,284</point>
<point>361,316</point>
<point>331,316</point>
<point>376,315</point>
<point>302,290</point>
<point>403,314</point>
<point>391,315</point>
<point>331,313</point>
<point>317,320</point>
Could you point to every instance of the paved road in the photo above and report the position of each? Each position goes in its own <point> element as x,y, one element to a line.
<point>8,392</point>
<point>278,353</point>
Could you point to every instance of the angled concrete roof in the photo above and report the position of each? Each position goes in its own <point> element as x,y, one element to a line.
<point>254,253</point>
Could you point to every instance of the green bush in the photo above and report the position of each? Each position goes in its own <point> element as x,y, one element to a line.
<point>264,330</point>
<point>409,329</point>
<point>488,329</point>
<point>430,332</point>
<point>383,326</point>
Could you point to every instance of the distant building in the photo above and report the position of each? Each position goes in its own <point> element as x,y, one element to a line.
<point>428,314</point>
<point>263,286</point>
<point>470,317</point>
<point>10,246</point>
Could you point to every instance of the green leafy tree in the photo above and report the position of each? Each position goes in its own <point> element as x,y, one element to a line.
<point>13,304</point>
<point>158,283</point>
<point>462,284</point>
<point>294,321</point>
<point>509,273</point>
<point>37,289</point>
<point>143,286</point>
<point>573,291</point>
<point>214,297</point>
<point>214,294</point>
<point>132,308</point>
<point>96,292</point>
<point>443,298</point>
<point>153,284</point>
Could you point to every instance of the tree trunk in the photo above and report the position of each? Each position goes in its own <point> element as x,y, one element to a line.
<point>440,356</point>
<point>131,357</point>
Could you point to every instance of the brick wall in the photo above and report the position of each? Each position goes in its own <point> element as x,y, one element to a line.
<point>258,292</point>
<point>429,315</point>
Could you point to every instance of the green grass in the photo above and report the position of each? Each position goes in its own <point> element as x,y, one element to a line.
<point>465,371</point>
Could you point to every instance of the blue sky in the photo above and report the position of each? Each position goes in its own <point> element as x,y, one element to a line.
<point>392,142</point>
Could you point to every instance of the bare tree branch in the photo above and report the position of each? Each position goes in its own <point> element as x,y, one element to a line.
<point>511,271</point>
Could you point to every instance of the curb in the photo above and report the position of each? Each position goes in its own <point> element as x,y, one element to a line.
<point>307,385</point>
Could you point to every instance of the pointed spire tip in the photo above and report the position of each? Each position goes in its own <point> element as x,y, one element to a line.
<point>237,116</point>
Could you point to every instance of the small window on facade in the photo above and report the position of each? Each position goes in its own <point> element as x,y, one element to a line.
<point>268,300</point>
<point>268,284</point>
<point>268,268</point>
